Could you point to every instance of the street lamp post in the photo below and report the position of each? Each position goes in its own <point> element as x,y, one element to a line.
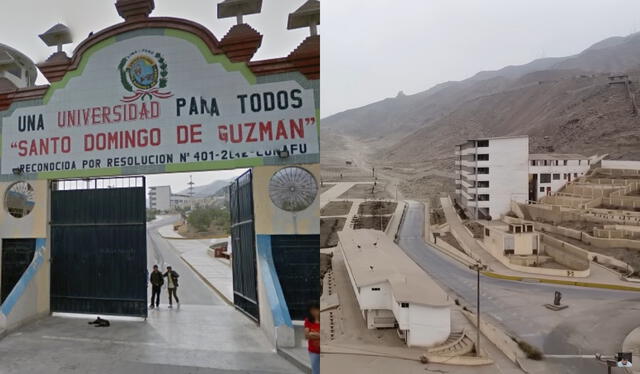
<point>478,267</point>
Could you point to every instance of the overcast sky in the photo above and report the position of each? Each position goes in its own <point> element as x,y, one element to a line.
<point>22,21</point>
<point>370,49</point>
<point>373,49</point>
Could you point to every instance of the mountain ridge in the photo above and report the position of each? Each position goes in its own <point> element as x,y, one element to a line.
<point>562,103</point>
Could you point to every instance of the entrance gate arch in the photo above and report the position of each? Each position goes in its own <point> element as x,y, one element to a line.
<point>154,95</point>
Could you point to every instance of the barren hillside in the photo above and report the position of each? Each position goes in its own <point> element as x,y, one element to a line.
<point>565,104</point>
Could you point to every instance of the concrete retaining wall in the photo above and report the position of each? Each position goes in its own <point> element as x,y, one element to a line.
<point>596,241</point>
<point>567,255</point>
<point>557,214</point>
<point>498,337</point>
<point>602,259</point>
<point>627,202</point>
<point>619,164</point>
<point>451,251</point>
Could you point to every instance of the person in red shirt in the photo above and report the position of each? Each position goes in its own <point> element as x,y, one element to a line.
<point>312,333</point>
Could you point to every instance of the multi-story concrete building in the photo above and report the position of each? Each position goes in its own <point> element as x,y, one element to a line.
<point>549,172</point>
<point>160,197</point>
<point>490,173</point>
<point>392,291</point>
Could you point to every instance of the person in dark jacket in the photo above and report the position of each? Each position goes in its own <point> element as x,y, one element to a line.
<point>172,285</point>
<point>156,281</point>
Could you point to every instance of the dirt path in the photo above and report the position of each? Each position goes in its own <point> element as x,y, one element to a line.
<point>420,182</point>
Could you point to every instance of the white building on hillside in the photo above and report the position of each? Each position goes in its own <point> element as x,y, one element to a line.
<point>549,172</point>
<point>16,69</point>
<point>392,291</point>
<point>160,197</point>
<point>179,201</point>
<point>490,173</point>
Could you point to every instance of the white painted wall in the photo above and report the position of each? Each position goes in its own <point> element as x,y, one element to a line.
<point>370,299</point>
<point>508,174</point>
<point>574,168</point>
<point>428,325</point>
<point>33,301</point>
<point>161,200</point>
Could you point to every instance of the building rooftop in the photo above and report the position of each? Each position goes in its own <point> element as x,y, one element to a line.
<point>557,156</point>
<point>494,138</point>
<point>373,257</point>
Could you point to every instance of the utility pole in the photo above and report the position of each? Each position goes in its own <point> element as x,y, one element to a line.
<point>191,190</point>
<point>478,267</point>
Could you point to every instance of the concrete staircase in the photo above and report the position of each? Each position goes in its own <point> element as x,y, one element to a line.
<point>458,344</point>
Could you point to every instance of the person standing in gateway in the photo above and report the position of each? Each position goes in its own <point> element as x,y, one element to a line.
<point>156,281</point>
<point>172,285</point>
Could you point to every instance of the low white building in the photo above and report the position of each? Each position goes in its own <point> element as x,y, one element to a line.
<point>490,173</point>
<point>179,201</point>
<point>505,239</point>
<point>392,291</point>
<point>549,172</point>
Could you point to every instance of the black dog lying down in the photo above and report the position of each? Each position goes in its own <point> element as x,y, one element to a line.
<point>99,322</point>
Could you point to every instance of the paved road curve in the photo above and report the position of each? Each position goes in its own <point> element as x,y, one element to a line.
<point>192,289</point>
<point>596,321</point>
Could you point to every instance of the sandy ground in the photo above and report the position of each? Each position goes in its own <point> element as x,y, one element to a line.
<point>417,181</point>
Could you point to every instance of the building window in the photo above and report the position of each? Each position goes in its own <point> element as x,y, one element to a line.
<point>533,162</point>
<point>482,171</point>
<point>404,305</point>
<point>487,232</point>
<point>541,189</point>
<point>483,197</point>
<point>509,252</point>
<point>483,157</point>
<point>556,162</point>
<point>575,175</point>
<point>556,177</point>
<point>482,143</point>
<point>483,184</point>
<point>375,288</point>
<point>579,162</point>
<point>588,162</point>
<point>545,178</point>
<point>565,162</point>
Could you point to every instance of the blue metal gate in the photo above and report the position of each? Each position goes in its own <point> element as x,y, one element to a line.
<point>98,246</point>
<point>297,262</point>
<point>245,291</point>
